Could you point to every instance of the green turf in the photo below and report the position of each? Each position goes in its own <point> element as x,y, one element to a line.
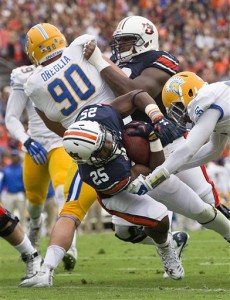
<point>110,269</point>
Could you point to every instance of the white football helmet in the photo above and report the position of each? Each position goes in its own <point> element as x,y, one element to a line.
<point>134,35</point>
<point>84,140</point>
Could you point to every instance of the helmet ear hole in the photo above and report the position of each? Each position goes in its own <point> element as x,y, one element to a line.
<point>190,92</point>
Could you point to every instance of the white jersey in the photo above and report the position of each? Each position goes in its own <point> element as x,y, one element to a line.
<point>63,87</point>
<point>17,103</point>
<point>216,96</point>
<point>210,111</point>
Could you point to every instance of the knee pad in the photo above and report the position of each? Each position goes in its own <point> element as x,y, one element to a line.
<point>131,234</point>
<point>207,215</point>
<point>5,218</point>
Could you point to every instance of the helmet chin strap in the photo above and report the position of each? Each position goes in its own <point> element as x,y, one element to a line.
<point>36,61</point>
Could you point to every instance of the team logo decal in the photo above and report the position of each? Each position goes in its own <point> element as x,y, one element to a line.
<point>148,28</point>
<point>174,86</point>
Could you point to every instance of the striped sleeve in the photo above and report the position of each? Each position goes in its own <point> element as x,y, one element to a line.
<point>168,63</point>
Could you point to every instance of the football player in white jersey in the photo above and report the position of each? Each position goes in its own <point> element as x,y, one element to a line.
<point>45,158</point>
<point>62,83</point>
<point>188,98</point>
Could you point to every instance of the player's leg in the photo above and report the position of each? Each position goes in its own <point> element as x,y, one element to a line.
<point>36,180</point>
<point>128,232</point>
<point>152,215</point>
<point>59,165</point>
<point>79,197</point>
<point>181,199</point>
<point>12,231</point>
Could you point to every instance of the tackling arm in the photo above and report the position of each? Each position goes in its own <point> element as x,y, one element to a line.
<point>150,80</point>
<point>51,125</point>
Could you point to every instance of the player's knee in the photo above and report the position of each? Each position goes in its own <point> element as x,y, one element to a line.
<point>8,223</point>
<point>208,215</point>
<point>131,234</point>
<point>35,198</point>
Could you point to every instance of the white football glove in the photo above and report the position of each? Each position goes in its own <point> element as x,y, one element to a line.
<point>138,186</point>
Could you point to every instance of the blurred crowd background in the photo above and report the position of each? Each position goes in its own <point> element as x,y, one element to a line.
<point>195,31</point>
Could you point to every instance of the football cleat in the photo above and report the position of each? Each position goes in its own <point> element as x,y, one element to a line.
<point>69,262</point>
<point>43,278</point>
<point>34,234</point>
<point>171,261</point>
<point>33,263</point>
<point>224,210</point>
<point>180,241</point>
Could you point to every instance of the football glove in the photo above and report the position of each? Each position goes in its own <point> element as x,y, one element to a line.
<point>142,129</point>
<point>138,186</point>
<point>166,131</point>
<point>36,151</point>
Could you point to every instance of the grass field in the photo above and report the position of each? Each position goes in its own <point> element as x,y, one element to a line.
<point>110,269</point>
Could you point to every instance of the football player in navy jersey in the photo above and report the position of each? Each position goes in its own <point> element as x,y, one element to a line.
<point>95,141</point>
<point>136,51</point>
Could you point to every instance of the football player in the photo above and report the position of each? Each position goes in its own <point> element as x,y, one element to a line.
<point>45,158</point>
<point>136,51</point>
<point>12,231</point>
<point>187,97</point>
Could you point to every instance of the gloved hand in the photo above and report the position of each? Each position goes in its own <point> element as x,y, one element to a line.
<point>36,151</point>
<point>142,129</point>
<point>138,186</point>
<point>167,131</point>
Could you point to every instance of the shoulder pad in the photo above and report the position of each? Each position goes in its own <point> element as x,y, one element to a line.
<point>20,75</point>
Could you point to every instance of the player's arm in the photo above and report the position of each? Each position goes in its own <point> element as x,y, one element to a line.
<point>150,80</point>
<point>195,150</point>
<point>51,125</point>
<point>15,106</point>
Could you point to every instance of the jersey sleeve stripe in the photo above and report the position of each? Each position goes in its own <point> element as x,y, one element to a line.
<point>168,63</point>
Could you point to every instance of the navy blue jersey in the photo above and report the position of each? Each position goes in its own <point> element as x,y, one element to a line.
<point>151,59</point>
<point>114,176</point>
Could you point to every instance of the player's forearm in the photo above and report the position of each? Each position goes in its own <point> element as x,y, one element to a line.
<point>208,152</point>
<point>119,84</point>
<point>15,128</point>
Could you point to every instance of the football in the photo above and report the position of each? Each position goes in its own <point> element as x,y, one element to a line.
<point>137,148</point>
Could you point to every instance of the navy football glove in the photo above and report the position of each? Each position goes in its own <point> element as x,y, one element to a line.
<point>142,129</point>
<point>166,131</point>
<point>36,151</point>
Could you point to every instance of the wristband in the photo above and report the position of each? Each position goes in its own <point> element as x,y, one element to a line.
<point>97,60</point>
<point>153,112</point>
<point>156,146</point>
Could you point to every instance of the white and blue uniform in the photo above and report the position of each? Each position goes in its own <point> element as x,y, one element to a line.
<point>210,111</point>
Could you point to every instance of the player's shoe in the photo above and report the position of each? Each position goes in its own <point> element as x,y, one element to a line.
<point>180,240</point>
<point>43,278</point>
<point>224,210</point>
<point>70,258</point>
<point>33,263</point>
<point>34,234</point>
<point>171,261</point>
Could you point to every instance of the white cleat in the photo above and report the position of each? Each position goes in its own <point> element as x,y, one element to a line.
<point>33,263</point>
<point>43,278</point>
<point>180,240</point>
<point>171,262</point>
